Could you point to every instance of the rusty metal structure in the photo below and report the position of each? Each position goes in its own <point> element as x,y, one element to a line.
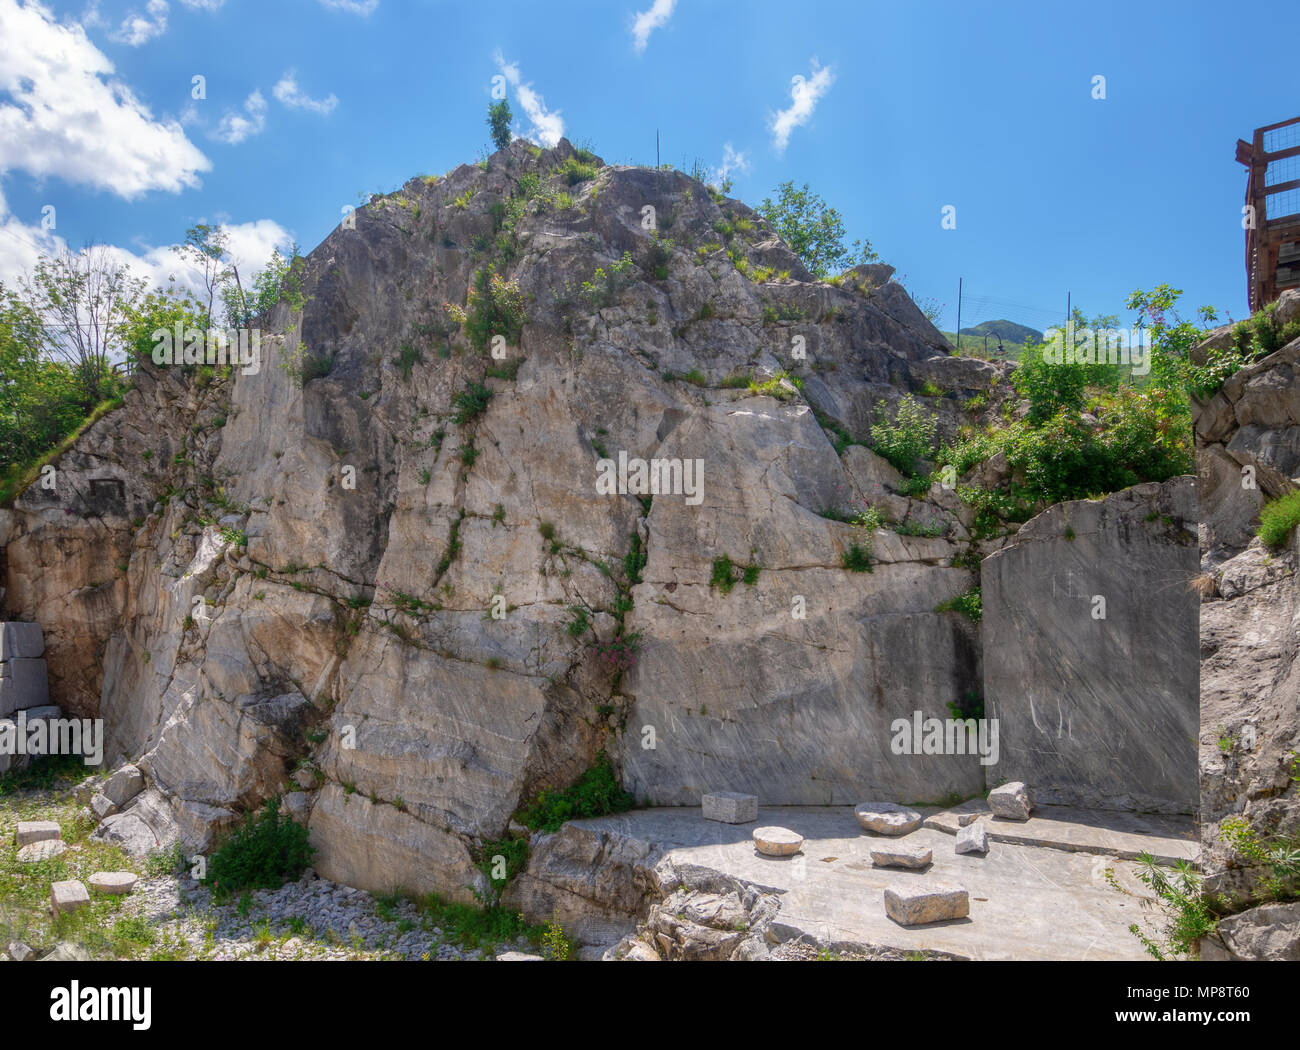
<point>1272,213</point>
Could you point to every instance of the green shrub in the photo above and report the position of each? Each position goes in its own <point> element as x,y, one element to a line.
<point>493,306</point>
<point>970,604</point>
<point>908,439</point>
<point>470,403</point>
<point>407,358</point>
<point>723,576</point>
<point>857,558</point>
<point>574,171</point>
<point>1278,518</point>
<point>596,793</point>
<point>264,852</point>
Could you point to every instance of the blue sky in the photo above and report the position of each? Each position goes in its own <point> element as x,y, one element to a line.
<point>906,108</point>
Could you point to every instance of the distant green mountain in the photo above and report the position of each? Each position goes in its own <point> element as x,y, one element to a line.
<point>1013,338</point>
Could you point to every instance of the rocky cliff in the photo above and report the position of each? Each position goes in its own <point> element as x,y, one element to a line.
<point>1248,451</point>
<point>383,564</point>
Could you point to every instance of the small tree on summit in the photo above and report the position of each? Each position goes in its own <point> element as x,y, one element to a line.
<point>813,230</point>
<point>498,119</point>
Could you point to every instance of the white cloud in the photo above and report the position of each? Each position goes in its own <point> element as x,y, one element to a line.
<point>235,127</point>
<point>66,117</point>
<point>288,92</point>
<point>249,243</point>
<point>352,7</point>
<point>646,22</point>
<point>731,161</point>
<point>139,28</point>
<point>203,5</point>
<point>804,96</point>
<point>547,125</point>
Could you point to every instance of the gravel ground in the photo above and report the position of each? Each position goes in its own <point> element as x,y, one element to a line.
<point>312,918</point>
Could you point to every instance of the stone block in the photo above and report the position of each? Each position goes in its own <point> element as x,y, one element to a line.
<point>30,831</point>
<point>116,883</point>
<point>21,641</point>
<point>901,857</point>
<point>68,896</point>
<point>730,807</point>
<point>887,818</point>
<point>927,901</point>
<point>27,686</point>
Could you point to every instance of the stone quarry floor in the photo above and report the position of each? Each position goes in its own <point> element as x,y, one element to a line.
<point>1041,892</point>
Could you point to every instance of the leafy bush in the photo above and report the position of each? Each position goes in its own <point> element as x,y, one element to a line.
<point>908,439</point>
<point>1278,517</point>
<point>857,558</point>
<point>264,852</point>
<point>470,403</point>
<point>970,604</point>
<point>574,171</point>
<point>493,306</point>
<point>596,793</point>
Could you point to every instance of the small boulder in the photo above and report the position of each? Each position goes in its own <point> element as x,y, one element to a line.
<point>116,883</point>
<point>972,839</point>
<point>1011,801</point>
<point>18,952</point>
<point>901,857</point>
<point>928,901</point>
<point>30,831</point>
<point>43,850</point>
<point>65,951</point>
<point>777,842</point>
<point>124,785</point>
<point>966,819</point>
<point>102,806</point>
<point>68,896</point>
<point>887,818</point>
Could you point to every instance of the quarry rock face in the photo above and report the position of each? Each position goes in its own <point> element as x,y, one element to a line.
<point>1091,611</point>
<point>1250,636</point>
<point>381,568</point>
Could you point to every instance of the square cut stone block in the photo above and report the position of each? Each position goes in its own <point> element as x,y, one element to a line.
<point>730,807</point>
<point>30,831</point>
<point>27,686</point>
<point>68,896</point>
<point>21,641</point>
<point>928,901</point>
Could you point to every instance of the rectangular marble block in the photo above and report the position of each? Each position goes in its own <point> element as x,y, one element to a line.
<point>730,807</point>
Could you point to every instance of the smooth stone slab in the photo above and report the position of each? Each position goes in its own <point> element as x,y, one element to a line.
<point>116,883</point>
<point>1011,801</point>
<point>68,896</point>
<point>972,839</point>
<point>21,641</point>
<point>777,842</point>
<point>1168,839</point>
<point>30,831</point>
<point>925,902</point>
<point>730,807</point>
<point>43,850</point>
<point>901,857</point>
<point>124,785</point>
<point>887,818</point>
